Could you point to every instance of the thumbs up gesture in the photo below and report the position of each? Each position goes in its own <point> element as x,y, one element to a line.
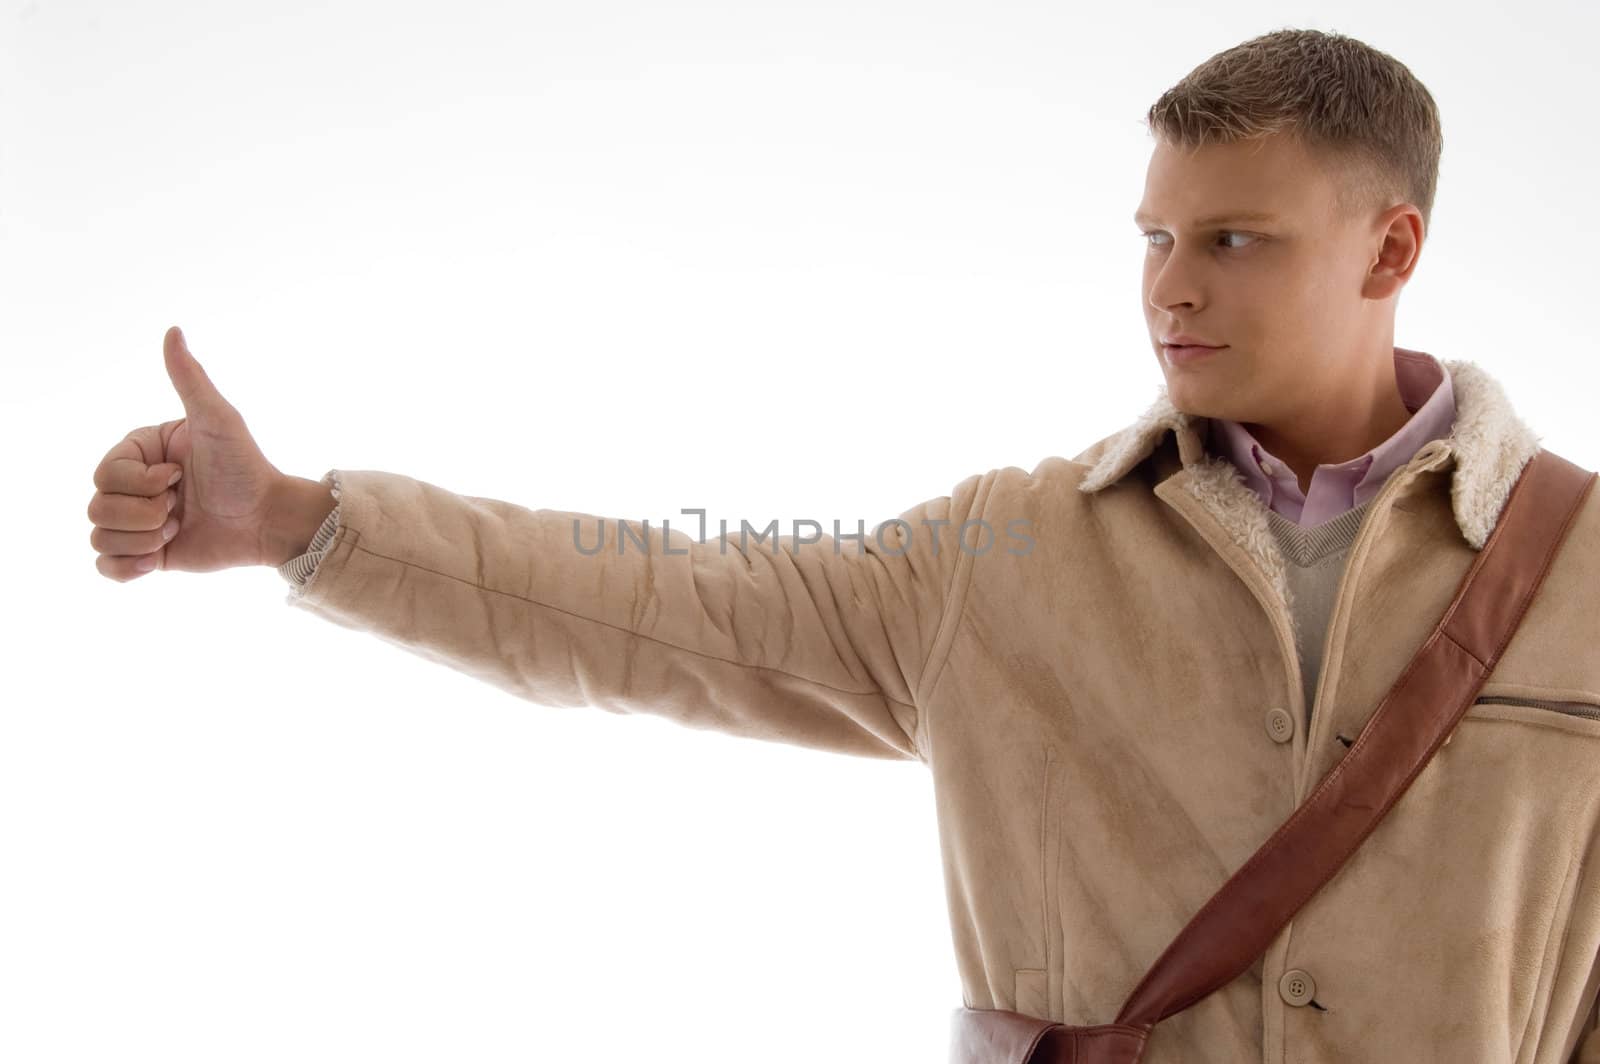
<point>191,494</point>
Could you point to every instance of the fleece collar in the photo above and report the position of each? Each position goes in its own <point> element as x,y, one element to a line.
<point>1491,445</point>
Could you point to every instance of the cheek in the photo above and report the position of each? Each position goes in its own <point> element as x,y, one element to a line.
<point>1329,279</point>
<point>1291,294</point>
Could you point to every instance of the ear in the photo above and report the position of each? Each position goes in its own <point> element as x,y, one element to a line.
<point>1399,234</point>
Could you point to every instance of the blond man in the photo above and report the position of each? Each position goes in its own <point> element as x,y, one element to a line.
<point>1125,669</point>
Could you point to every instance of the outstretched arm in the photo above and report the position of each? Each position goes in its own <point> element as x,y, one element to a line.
<point>827,644</point>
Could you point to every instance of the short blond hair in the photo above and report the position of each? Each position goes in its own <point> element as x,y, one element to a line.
<point>1358,110</point>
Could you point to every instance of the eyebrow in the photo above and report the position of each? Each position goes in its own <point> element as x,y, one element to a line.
<point>1141,218</point>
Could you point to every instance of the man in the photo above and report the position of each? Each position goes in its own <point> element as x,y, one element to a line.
<point>1125,670</point>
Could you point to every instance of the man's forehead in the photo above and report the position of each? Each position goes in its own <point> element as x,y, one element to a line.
<point>1268,180</point>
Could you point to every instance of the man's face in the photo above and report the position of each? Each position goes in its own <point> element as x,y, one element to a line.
<point>1284,293</point>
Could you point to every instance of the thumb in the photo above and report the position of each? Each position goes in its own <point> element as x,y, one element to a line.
<point>188,378</point>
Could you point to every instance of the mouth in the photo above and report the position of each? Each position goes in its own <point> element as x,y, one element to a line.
<point>1186,340</point>
<point>1181,354</point>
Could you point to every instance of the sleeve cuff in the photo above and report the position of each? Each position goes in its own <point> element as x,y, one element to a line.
<point>298,570</point>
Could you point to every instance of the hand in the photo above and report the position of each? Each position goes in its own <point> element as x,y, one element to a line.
<point>217,511</point>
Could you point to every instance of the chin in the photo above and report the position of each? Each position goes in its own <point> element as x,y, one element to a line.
<point>1201,389</point>
<point>1197,397</point>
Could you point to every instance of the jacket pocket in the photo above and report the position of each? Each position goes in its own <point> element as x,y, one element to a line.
<point>1591,710</point>
<point>1032,992</point>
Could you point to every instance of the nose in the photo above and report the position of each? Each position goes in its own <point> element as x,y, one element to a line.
<point>1173,283</point>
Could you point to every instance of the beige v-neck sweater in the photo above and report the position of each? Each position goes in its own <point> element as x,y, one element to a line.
<point>1314,560</point>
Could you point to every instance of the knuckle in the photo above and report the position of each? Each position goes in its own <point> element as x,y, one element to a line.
<point>110,569</point>
<point>105,474</point>
<point>103,510</point>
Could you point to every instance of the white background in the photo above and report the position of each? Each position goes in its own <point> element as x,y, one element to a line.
<point>779,260</point>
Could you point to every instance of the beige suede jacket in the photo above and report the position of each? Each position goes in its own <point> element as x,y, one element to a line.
<point>1090,658</point>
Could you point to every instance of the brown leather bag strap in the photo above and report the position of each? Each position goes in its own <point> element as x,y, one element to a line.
<point>1422,708</point>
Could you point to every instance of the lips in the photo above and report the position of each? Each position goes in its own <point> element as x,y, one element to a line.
<point>1185,354</point>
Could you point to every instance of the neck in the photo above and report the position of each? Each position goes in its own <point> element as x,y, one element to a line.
<point>1336,424</point>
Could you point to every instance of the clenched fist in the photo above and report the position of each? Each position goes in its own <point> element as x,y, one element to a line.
<point>215,516</point>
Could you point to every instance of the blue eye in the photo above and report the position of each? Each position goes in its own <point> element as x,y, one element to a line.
<point>1147,234</point>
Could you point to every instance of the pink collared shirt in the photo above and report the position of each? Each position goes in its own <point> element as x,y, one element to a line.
<point>1336,489</point>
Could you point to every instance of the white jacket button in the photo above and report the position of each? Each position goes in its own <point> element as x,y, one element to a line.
<point>1279,725</point>
<point>1297,987</point>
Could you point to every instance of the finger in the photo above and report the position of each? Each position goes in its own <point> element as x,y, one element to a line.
<point>125,469</point>
<point>123,568</point>
<point>130,513</point>
<point>109,541</point>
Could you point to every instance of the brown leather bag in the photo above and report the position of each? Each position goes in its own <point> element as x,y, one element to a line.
<point>1414,719</point>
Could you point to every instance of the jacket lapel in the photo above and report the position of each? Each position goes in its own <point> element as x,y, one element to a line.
<point>1490,445</point>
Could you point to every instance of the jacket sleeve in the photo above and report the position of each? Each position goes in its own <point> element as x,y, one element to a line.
<point>810,639</point>
<point>298,570</point>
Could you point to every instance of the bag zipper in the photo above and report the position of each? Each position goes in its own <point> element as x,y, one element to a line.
<point>1576,709</point>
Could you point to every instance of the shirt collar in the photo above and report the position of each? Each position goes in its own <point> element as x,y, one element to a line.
<point>1426,391</point>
